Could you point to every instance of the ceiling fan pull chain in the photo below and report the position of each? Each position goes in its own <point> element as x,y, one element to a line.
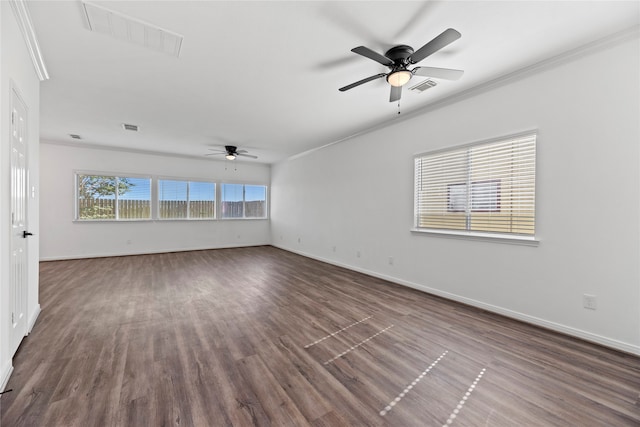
<point>398,107</point>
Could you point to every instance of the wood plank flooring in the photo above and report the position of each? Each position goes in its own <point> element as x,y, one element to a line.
<point>260,336</point>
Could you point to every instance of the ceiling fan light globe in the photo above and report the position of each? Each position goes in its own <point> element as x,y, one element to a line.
<point>399,78</point>
<point>230,156</point>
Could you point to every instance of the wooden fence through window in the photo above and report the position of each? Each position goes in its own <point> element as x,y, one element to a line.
<point>175,209</point>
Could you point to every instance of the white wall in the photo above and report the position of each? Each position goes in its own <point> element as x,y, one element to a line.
<point>16,70</point>
<point>358,196</point>
<point>62,238</point>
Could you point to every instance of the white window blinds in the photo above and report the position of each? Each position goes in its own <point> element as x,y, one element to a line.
<point>244,201</point>
<point>179,199</point>
<point>486,187</point>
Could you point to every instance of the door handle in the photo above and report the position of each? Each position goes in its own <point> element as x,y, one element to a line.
<point>25,234</point>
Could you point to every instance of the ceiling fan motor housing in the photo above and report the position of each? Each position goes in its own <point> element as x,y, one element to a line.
<point>399,74</point>
<point>399,54</point>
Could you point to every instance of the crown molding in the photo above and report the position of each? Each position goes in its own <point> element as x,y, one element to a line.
<point>26,27</point>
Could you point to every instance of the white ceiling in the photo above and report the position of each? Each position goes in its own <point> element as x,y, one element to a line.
<point>264,75</point>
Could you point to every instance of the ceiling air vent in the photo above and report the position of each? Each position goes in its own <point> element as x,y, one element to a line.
<point>132,30</point>
<point>422,86</point>
<point>133,128</point>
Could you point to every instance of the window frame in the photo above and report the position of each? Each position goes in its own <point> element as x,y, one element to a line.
<point>188,181</point>
<point>117,175</point>
<point>466,234</point>
<point>244,185</point>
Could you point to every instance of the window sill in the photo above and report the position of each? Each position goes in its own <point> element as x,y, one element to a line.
<point>185,219</point>
<point>485,237</point>
<point>243,218</point>
<point>94,221</point>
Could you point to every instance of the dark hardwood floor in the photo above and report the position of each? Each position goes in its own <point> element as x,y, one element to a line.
<point>260,336</point>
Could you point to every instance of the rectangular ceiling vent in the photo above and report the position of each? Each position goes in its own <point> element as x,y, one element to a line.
<point>128,29</point>
<point>422,86</point>
<point>133,128</point>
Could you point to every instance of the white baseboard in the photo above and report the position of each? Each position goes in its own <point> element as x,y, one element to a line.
<point>5,373</point>
<point>149,252</point>
<point>567,330</point>
<point>33,318</point>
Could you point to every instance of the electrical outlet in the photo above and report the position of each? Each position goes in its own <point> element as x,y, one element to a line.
<point>390,260</point>
<point>589,301</point>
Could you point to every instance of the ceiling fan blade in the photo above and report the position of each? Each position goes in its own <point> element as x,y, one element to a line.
<point>396,93</point>
<point>440,73</point>
<point>358,83</point>
<point>214,154</point>
<point>446,37</point>
<point>241,151</point>
<point>246,155</point>
<point>366,52</point>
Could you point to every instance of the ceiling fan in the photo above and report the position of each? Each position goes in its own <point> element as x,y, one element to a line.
<point>400,58</point>
<point>231,152</point>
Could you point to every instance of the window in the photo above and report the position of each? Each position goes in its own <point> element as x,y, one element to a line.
<point>112,197</point>
<point>107,197</point>
<point>485,188</point>
<point>244,201</point>
<point>186,199</point>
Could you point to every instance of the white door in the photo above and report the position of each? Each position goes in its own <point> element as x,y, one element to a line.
<point>19,234</point>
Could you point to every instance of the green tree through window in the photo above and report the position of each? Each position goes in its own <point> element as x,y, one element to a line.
<point>111,197</point>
